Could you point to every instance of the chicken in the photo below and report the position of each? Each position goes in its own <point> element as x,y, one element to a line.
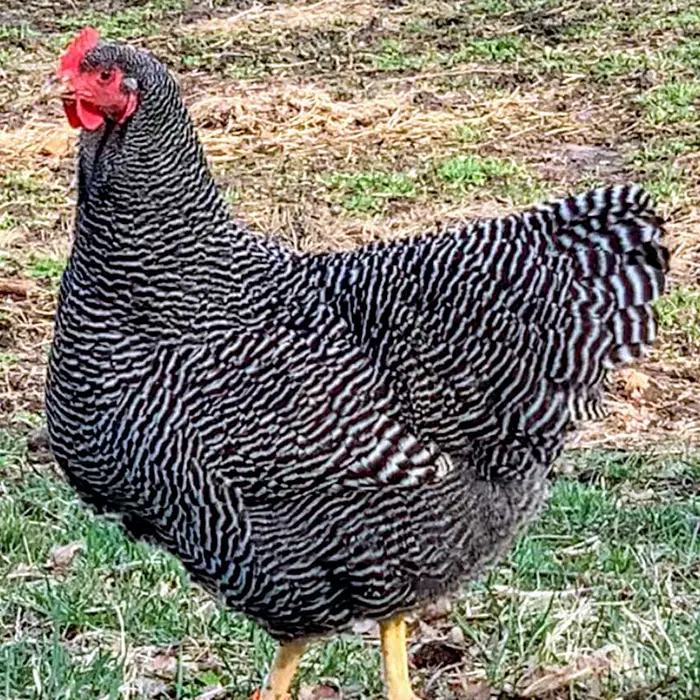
<point>320,438</point>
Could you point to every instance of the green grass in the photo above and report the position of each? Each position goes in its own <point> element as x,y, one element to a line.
<point>7,359</point>
<point>679,316</point>
<point>372,192</point>
<point>627,568</point>
<point>7,221</point>
<point>394,56</point>
<point>618,63</point>
<point>369,192</point>
<point>657,165</point>
<point>667,183</point>
<point>504,49</point>
<point>28,200</point>
<point>46,268</point>
<point>16,34</point>
<point>686,52</point>
<point>467,171</point>
<point>503,176</point>
<point>20,182</point>
<point>673,102</point>
<point>126,23</point>
<point>35,204</point>
<point>660,150</point>
<point>468,134</point>
<point>232,195</point>
<point>599,570</point>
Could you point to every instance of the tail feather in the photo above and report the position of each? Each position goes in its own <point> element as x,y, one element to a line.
<point>615,239</point>
<point>591,264</point>
<point>498,332</point>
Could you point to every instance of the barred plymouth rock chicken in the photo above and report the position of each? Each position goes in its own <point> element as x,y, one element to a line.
<point>321,438</point>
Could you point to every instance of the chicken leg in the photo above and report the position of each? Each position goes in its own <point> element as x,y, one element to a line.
<point>395,659</point>
<point>282,672</point>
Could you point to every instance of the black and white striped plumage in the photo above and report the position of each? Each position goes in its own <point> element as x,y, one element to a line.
<point>331,437</point>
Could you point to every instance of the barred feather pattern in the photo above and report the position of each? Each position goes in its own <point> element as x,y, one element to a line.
<point>325,438</point>
<point>497,333</point>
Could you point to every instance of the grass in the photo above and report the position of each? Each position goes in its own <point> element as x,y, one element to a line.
<point>475,171</point>
<point>499,50</point>
<point>7,359</point>
<point>373,192</point>
<point>28,198</point>
<point>666,183</point>
<point>609,566</point>
<point>333,124</point>
<point>369,192</point>
<point>394,56</point>
<point>614,557</point>
<point>47,268</point>
<point>673,102</point>
<point>660,150</point>
<point>503,176</point>
<point>679,314</point>
<point>126,23</point>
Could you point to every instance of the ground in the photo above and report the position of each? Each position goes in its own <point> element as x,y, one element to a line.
<point>330,124</point>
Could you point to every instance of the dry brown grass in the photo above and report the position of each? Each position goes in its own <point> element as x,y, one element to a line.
<point>303,15</point>
<point>34,142</point>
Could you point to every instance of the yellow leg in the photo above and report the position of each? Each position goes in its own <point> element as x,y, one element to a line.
<point>395,658</point>
<point>282,672</point>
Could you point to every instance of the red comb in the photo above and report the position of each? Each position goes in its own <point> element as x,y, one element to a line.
<point>86,40</point>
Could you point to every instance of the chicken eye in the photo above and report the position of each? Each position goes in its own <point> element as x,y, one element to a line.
<point>105,75</point>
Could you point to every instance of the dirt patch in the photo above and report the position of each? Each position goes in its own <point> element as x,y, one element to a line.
<point>573,162</point>
<point>664,415</point>
<point>304,15</point>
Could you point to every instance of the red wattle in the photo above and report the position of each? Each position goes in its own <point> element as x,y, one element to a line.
<point>69,107</point>
<point>90,118</point>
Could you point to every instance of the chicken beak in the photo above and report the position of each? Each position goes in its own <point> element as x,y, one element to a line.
<point>57,88</point>
<point>66,90</point>
<point>62,88</point>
